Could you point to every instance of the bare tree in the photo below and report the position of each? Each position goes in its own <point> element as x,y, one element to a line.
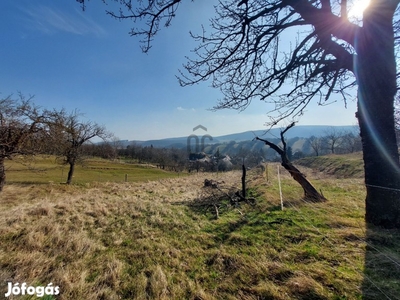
<point>246,54</point>
<point>20,122</point>
<point>333,139</point>
<point>351,142</point>
<point>68,134</point>
<point>104,150</point>
<point>310,192</point>
<point>316,144</point>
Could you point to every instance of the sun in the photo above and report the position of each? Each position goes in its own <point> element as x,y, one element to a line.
<point>357,8</point>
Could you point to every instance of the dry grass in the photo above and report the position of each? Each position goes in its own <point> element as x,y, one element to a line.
<point>144,241</point>
<point>54,233</point>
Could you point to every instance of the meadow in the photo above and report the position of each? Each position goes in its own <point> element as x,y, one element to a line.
<point>157,237</point>
<point>47,169</point>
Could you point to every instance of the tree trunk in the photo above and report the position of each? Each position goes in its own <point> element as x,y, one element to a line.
<point>310,193</point>
<point>2,174</point>
<point>376,77</point>
<point>70,172</point>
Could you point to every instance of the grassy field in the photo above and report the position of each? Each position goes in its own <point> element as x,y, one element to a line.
<point>162,239</point>
<point>45,169</point>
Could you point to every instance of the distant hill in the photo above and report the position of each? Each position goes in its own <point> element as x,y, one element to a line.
<point>296,138</point>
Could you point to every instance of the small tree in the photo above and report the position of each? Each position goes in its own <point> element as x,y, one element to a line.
<point>68,134</point>
<point>310,192</point>
<point>20,121</point>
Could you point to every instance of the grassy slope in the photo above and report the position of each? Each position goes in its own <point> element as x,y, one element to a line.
<point>349,165</point>
<point>148,241</point>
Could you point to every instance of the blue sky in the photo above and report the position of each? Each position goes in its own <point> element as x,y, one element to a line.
<point>86,60</point>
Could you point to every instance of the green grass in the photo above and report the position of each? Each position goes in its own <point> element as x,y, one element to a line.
<point>155,241</point>
<point>45,169</point>
<point>343,166</point>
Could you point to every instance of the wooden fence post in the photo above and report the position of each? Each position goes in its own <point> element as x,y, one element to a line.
<point>280,188</point>
<point>243,180</point>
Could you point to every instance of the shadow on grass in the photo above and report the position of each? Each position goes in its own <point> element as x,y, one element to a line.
<point>382,264</point>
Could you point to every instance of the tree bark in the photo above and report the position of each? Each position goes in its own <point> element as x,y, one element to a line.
<point>2,174</point>
<point>376,77</point>
<point>310,193</point>
<point>70,172</point>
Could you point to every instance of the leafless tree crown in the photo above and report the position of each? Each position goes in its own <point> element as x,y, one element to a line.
<point>20,120</point>
<point>247,55</point>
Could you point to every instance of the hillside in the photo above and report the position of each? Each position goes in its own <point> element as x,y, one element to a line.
<point>162,239</point>
<point>299,132</point>
<point>340,166</point>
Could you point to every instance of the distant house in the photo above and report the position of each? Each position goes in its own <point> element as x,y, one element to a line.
<point>203,162</point>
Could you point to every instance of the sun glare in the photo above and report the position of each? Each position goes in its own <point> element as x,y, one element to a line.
<point>357,8</point>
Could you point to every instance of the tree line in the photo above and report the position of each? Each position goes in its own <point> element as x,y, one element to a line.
<point>172,159</point>
<point>333,141</point>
